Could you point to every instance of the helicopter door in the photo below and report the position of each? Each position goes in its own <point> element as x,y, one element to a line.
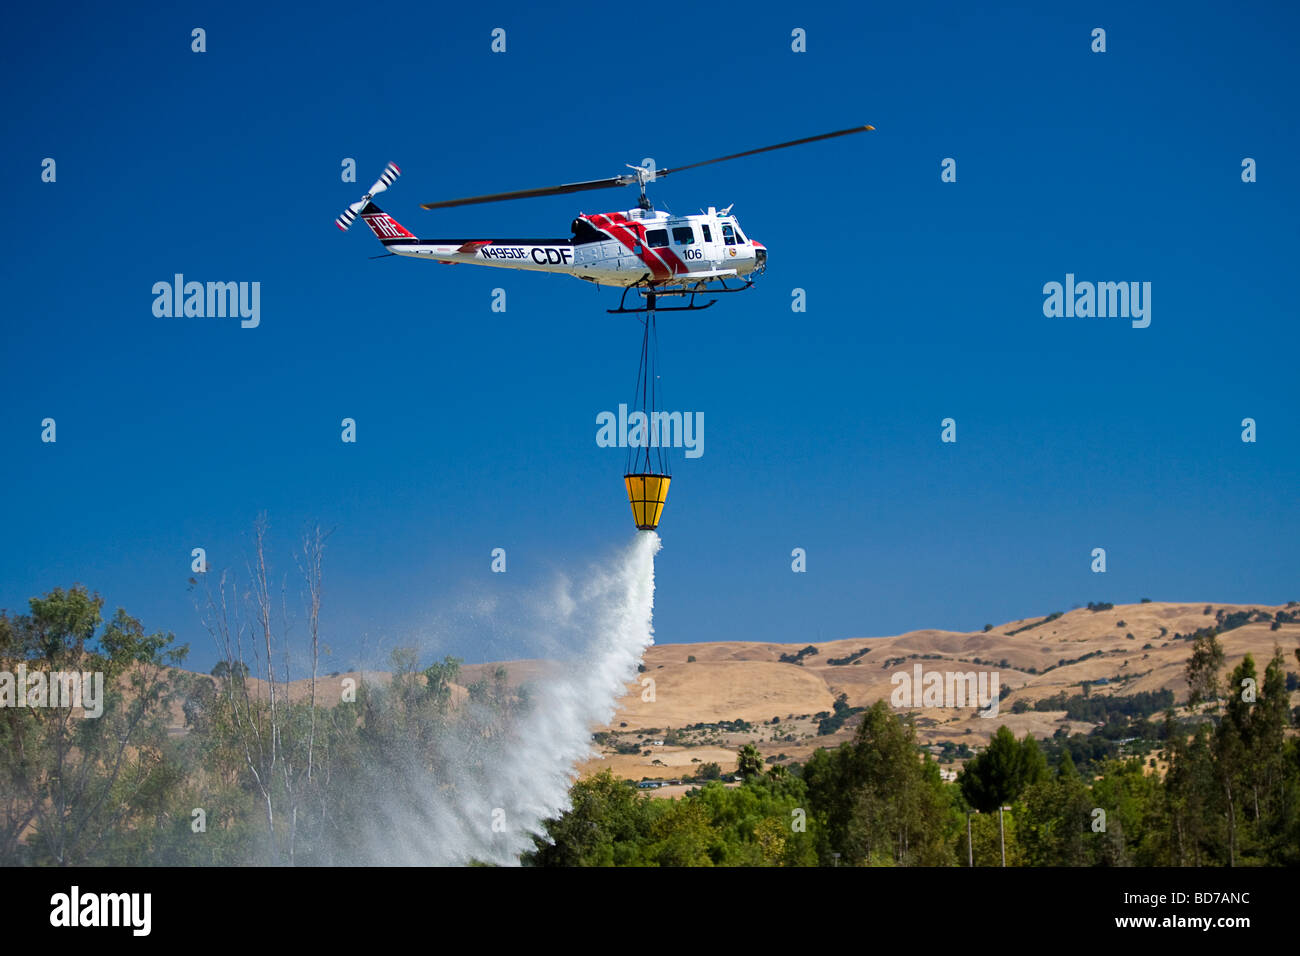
<point>686,243</point>
<point>711,244</point>
<point>729,242</point>
<point>629,260</point>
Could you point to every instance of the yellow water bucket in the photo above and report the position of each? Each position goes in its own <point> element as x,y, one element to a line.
<point>647,494</point>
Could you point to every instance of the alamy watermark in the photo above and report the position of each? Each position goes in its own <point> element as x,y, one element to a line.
<point>212,300</point>
<point>82,689</point>
<point>1102,300</point>
<point>75,908</point>
<point>657,430</point>
<point>923,688</point>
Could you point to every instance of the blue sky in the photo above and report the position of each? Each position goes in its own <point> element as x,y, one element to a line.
<point>477,429</point>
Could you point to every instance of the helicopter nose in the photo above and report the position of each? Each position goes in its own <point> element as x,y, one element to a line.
<point>760,258</point>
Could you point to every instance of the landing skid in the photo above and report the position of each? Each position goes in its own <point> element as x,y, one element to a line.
<point>651,293</point>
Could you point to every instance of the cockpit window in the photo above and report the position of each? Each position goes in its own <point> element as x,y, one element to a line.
<point>728,234</point>
<point>584,232</point>
<point>740,235</point>
<point>655,238</point>
<point>684,236</point>
<point>708,233</point>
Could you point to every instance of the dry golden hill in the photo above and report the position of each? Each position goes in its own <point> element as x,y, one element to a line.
<point>1129,648</point>
<point>1120,650</point>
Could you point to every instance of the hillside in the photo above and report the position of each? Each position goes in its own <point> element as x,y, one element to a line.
<point>1120,651</point>
<point>729,681</point>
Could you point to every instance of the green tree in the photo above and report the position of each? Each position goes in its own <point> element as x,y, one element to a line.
<point>1202,670</point>
<point>708,771</point>
<point>75,784</point>
<point>761,823</point>
<point>877,799</point>
<point>1275,789</point>
<point>1055,830</point>
<point>439,679</point>
<point>605,826</point>
<point>222,669</point>
<point>989,839</point>
<point>1133,801</point>
<point>1191,795</point>
<point>749,762</point>
<point>1001,772</point>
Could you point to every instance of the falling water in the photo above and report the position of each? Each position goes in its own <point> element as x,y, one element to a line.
<point>499,792</point>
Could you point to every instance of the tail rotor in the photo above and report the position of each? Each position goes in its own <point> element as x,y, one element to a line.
<point>386,179</point>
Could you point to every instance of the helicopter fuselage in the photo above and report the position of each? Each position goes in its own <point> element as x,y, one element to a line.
<point>636,247</point>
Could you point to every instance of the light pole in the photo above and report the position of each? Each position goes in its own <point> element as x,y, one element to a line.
<point>1002,838</point>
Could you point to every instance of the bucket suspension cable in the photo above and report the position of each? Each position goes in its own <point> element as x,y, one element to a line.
<point>648,456</point>
<point>634,452</point>
<point>647,477</point>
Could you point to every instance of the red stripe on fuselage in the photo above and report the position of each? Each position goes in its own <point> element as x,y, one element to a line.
<point>669,258</point>
<point>632,235</point>
<point>674,262</point>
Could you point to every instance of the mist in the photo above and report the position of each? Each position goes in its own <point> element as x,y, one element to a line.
<point>495,786</point>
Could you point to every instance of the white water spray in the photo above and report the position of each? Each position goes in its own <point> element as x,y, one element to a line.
<point>501,791</point>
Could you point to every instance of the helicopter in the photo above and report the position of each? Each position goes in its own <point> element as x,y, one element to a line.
<point>649,250</point>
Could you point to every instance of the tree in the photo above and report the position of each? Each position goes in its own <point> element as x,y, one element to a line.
<point>439,678</point>
<point>878,800</point>
<point>1273,782</point>
<point>752,823</point>
<point>222,669</point>
<point>682,835</point>
<point>772,836</point>
<point>275,736</point>
<point>76,783</point>
<point>749,762</point>
<point>1248,755</point>
<point>1202,670</point>
<point>1057,818</point>
<point>1002,771</point>
<point>605,826</point>
<point>708,771</point>
<point>1190,794</point>
<point>1133,801</point>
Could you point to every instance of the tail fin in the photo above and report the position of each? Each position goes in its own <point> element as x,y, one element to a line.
<point>383,225</point>
<point>386,179</point>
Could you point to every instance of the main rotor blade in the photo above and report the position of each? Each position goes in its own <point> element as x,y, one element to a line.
<point>532,193</point>
<point>765,149</point>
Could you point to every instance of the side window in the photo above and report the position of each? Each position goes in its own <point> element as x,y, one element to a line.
<point>740,235</point>
<point>728,234</point>
<point>708,233</point>
<point>656,238</point>
<point>684,236</point>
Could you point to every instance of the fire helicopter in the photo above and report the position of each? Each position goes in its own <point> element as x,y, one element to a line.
<point>656,253</point>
